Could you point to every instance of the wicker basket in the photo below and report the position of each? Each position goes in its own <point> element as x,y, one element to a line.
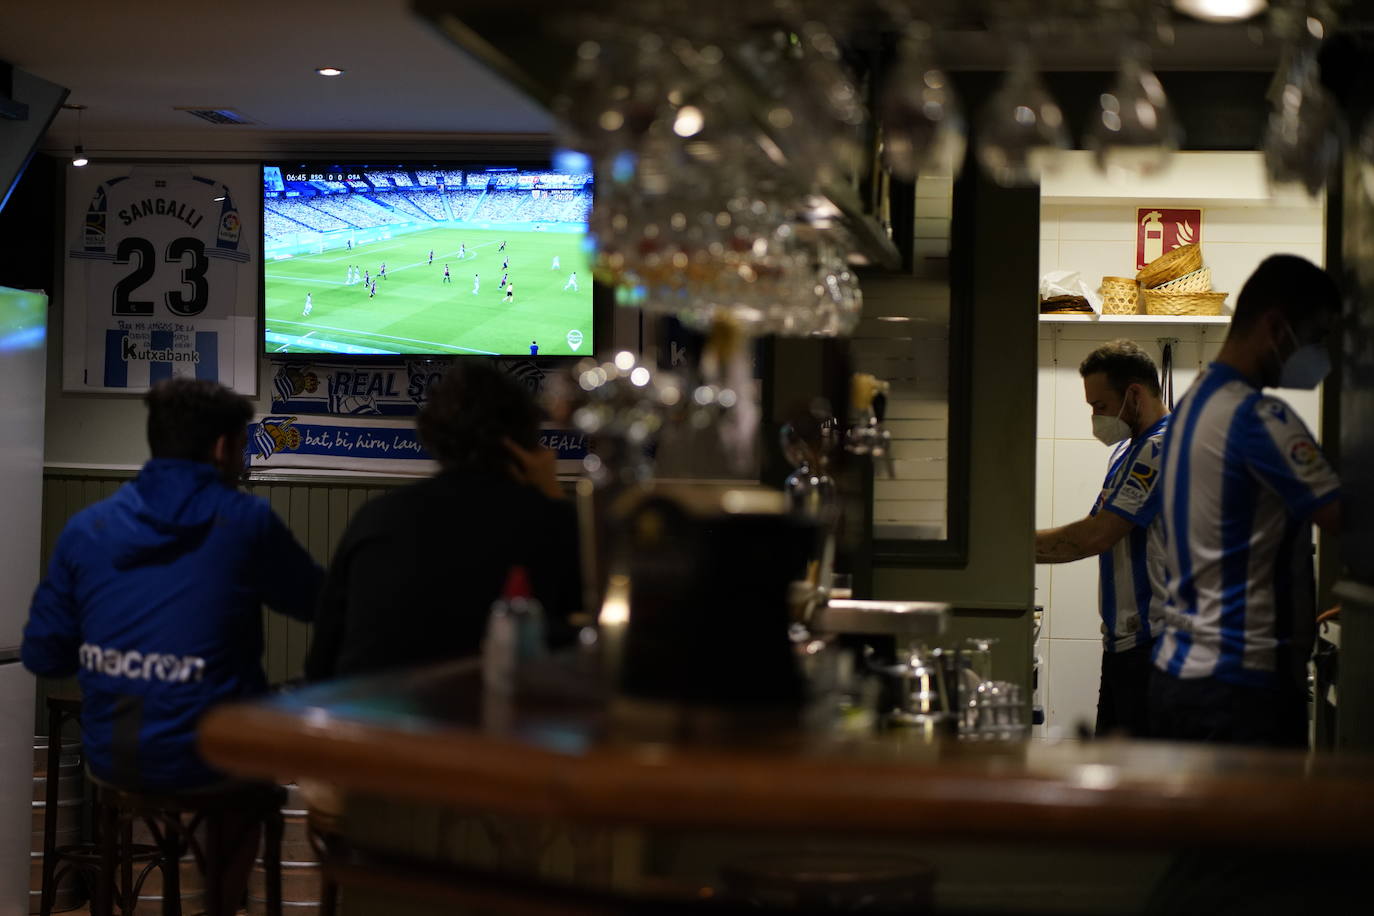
<point>1120,296</point>
<point>1159,302</point>
<point>1170,266</point>
<point>1199,281</point>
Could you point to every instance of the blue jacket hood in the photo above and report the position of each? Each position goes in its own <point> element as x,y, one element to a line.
<point>167,511</point>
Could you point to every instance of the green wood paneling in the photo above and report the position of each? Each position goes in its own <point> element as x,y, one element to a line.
<point>316,511</point>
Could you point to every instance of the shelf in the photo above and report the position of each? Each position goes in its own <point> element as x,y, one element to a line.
<point>1135,319</point>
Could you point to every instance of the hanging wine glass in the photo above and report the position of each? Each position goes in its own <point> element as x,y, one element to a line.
<point>923,125</point>
<point>1021,129</point>
<point>813,109</point>
<point>1306,131</point>
<point>1134,135</point>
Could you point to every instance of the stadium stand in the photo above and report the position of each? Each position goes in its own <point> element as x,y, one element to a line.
<point>430,203</point>
<point>462,202</point>
<point>278,228</point>
<point>285,219</point>
<point>304,214</point>
<point>399,204</point>
<point>502,206</point>
<point>357,210</point>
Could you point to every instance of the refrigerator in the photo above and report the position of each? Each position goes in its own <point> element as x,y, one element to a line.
<point>23,355</point>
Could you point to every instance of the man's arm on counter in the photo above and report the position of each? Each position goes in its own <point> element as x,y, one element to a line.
<point>1086,537</point>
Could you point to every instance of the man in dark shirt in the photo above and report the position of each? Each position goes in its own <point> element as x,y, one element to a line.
<point>417,569</point>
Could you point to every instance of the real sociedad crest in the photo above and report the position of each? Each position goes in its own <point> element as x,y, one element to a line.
<point>528,372</point>
<point>290,381</point>
<point>274,434</point>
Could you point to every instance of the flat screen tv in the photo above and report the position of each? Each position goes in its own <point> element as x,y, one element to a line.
<point>424,258</point>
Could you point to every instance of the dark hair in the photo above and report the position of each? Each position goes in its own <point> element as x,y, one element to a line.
<point>1125,364</point>
<point>470,411</point>
<point>1295,286</point>
<point>186,416</point>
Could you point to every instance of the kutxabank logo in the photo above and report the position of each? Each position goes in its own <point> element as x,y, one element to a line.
<point>144,358</point>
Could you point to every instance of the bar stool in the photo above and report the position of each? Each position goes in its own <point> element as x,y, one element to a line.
<point>173,819</point>
<point>56,861</point>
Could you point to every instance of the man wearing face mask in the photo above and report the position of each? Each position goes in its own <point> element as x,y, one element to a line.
<point>1121,385</point>
<point>1243,481</point>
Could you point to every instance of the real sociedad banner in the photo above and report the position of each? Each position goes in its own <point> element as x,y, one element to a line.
<point>380,389</point>
<point>377,445</point>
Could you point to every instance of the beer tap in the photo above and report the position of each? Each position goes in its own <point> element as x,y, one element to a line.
<point>867,435</point>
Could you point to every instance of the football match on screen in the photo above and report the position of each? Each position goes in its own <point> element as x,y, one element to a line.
<point>435,261</point>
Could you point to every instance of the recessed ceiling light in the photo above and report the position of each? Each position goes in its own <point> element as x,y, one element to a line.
<point>1221,10</point>
<point>329,71</point>
<point>893,318</point>
<point>218,199</point>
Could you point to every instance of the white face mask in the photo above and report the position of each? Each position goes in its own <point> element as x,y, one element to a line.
<point>1306,366</point>
<point>1111,430</point>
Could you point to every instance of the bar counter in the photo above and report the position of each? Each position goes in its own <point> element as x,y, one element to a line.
<point>561,750</point>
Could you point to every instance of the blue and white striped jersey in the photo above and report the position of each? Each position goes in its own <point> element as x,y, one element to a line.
<point>166,249</point>
<point>1242,477</point>
<point>1131,574</point>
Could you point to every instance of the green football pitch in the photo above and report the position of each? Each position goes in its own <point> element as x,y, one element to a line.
<point>414,311</point>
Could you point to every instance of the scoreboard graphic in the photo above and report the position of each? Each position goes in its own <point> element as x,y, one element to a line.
<point>161,276</point>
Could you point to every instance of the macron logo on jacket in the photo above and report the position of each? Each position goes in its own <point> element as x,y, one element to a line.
<point>139,666</point>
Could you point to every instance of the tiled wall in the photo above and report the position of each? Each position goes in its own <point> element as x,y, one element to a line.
<point>1098,239</point>
<point>912,353</point>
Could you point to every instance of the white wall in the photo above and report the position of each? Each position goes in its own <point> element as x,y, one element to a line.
<point>1097,237</point>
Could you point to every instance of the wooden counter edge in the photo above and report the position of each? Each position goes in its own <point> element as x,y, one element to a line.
<point>722,790</point>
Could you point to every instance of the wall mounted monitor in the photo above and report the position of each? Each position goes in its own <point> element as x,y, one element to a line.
<point>425,259</point>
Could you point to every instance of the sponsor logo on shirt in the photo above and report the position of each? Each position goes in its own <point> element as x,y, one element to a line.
<point>1143,474</point>
<point>1303,452</point>
<point>141,666</point>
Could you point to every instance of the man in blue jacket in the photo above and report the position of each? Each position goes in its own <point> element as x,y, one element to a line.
<point>153,596</point>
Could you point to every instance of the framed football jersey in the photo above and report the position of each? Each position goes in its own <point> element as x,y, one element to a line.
<point>161,276</point>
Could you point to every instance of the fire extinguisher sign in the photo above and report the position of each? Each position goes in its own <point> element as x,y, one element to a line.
<point>1161,229</point>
